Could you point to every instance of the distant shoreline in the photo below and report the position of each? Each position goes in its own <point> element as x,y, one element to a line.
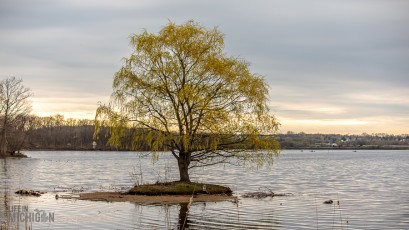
<point>397,147</point>
<point>352,148</point>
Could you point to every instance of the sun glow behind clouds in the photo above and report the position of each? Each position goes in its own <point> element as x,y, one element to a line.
<point>345,126</point>
<point>331,122</point>
<point>341,126</point>
<point>70,108</point>
<point>76,115</point>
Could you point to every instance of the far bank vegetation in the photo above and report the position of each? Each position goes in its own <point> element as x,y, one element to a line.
<point>59,133</point>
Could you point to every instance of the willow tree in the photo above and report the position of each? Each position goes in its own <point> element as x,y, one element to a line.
<point>184,94</point>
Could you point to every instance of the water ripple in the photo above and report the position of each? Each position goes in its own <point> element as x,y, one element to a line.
<point>370,186</point>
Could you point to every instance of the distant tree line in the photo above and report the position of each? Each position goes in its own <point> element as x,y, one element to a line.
<point>57,133</point>
<point>301,140</point>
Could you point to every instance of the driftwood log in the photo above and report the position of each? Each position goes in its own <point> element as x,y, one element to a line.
<point>29,192</point>
<point>264,194</point>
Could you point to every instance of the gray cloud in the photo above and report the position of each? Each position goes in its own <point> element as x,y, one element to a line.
<point>323,59</point>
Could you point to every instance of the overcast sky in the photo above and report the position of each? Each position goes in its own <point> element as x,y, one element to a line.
<point>332,66</point>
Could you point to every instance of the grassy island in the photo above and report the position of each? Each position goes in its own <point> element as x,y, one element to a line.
<point>179,188</point>
<point>171,192</point>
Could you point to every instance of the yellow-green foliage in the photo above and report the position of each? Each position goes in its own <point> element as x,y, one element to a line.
<point>191,97</point>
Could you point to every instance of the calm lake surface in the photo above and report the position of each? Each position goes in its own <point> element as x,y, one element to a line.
<point>372,188</point>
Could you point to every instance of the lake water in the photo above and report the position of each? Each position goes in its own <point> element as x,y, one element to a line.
<point>372,188</point>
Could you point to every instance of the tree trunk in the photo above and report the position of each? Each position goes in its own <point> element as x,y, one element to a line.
<point>183,163</point>
<point>3,143</point>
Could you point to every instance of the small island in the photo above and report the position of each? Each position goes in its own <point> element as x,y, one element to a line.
<point>169,192</point>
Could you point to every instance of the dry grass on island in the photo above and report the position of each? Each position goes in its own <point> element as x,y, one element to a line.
<point>13,155</point>
<point>170,192</point>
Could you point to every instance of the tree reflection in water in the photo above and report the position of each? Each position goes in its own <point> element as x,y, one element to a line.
<point>183,216</point>
<point>5,199</point>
